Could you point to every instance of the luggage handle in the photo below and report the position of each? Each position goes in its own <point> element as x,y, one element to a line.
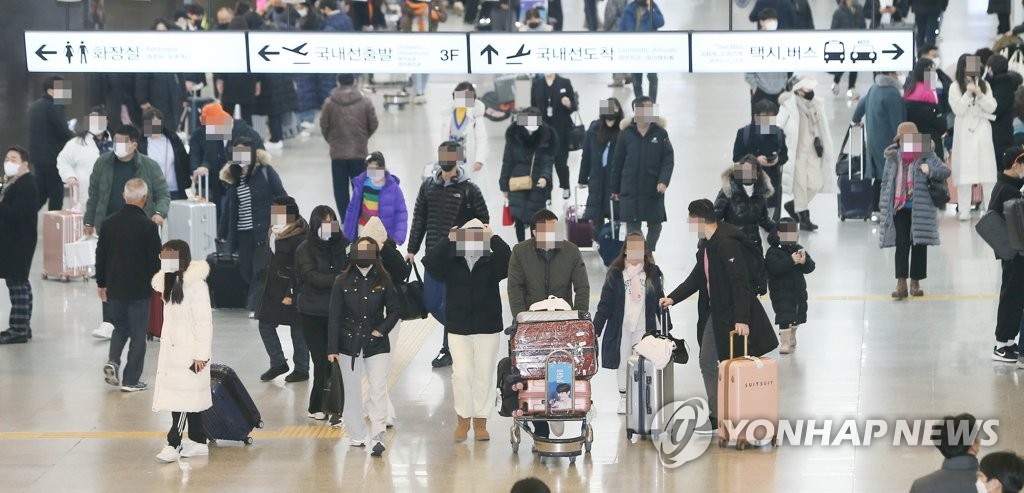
<point>74,198</point>
<point>201,193</point>
<point>746,345</point>
<point>611,217</point>
<point>863,147</point>
<point>665,330</point>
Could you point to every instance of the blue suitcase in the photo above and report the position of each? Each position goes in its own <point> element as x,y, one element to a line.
<point>233,415</point>
<point>609,244</point>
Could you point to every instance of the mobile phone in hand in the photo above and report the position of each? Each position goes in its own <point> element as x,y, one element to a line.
<point>195,369</point>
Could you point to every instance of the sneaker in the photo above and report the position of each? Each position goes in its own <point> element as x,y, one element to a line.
<point>297,376</point>
<point>252,315</point>
<point>708,429</point>
<point>274,146</point>
<point>378,449</point>
<point>852,95</point>
<point>110,374</point>
<point>352,442</point>
<point>835,89</point>
<point>963,216</point>
<point>135,388</point>
<point>337,421</point>
<point>317,416</point>
<point>622,405</point>
<point>168,454</point>
<point>307,126</point>
<point>443,359</point>
<point>193,449</point>
<point>274,372</point>
<point>104,331</point>
<point>1005,354</point>
<point>566,193</point>
<point>1020,363</point>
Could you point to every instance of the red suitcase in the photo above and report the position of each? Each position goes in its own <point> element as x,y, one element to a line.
<point>533,342</point>
<point>533,399</point>
<point>156,316</point>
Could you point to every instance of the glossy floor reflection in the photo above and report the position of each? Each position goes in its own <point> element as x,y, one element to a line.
<point>860,355</point>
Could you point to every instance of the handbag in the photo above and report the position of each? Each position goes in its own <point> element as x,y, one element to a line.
<point>334,392</point>
<point>506,215</point>
<point>577,133</point>
<point>992,228</point>
<point>522,183</point>
<point>939,192</point>
<point>411,295</point>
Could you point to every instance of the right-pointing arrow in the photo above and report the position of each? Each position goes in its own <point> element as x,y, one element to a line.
<point>263,53</point>
<point>490,51</point>
<point>898,51</point>
<point>40,53</point>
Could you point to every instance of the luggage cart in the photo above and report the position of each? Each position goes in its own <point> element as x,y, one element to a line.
<point>553,447</point>
<point>394,88</point>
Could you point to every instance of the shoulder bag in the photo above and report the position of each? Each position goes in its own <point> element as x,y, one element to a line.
<point>523,183</point>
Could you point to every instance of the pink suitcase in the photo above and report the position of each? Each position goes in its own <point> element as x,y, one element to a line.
<point>533,342</point>
<point>748,391</point>
<point>62,228</point>
<point>533,399</point>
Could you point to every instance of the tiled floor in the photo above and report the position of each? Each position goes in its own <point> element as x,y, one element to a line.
<point>860,356</point>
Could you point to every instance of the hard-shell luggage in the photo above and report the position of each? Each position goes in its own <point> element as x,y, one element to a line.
<point>748,391</point>
<point>855,194</point>
<point>194,220</point>
<point>62,229</point>
<point>156,316</point>
<point>533,342</point>
<point>535,399</point>
<point>609,238</point>
<point>505,89</point>
<point>228,288</point>
<point>648,390</point>
<point>233,415</point>
<point>580,231</point>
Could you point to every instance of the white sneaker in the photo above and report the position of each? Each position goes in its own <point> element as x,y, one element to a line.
<point>274,146</point>
<point>168,454</point>
<point>317,416</point>
<point>193,449</point>
<point>252,315</point>
<point>307,126</point>
<point>964,216</point>
<point>622,405</point>
<point>353,442</point>
<point>104,331</point>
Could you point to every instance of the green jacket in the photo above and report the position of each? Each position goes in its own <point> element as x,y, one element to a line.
<point>531,278</point>
<point>100,182</point>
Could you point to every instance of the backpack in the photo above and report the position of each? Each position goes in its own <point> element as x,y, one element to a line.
<point>756,267</point>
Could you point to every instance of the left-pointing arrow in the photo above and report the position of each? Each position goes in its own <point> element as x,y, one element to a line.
<point>263,53</point>
<point>40,53</point>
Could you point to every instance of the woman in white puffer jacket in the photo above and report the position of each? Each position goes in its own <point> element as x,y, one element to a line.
<point>76,159</point>
<point>182,373</point>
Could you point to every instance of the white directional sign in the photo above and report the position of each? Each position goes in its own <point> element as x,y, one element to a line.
<point>567,53</point>
<point>138,52</point>
<point>803,51</point>
<point>377,53</point>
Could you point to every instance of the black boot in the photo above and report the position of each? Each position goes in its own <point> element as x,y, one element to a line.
<point>791,211</point>
<point>805,222</point>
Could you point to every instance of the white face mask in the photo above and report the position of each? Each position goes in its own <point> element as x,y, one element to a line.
<point>169,265</point>
<point>980,487</point>
<point>749,189</point>
<point>121,150</point>
<point>771,25</point>
<point>546,240</point>
<point>279,219</point>
<point>902,78</point>
<point>937,62</point>
<point>325,232</point>
<point>302,12</point>
<point>11,168</point>
<point>531,128</point>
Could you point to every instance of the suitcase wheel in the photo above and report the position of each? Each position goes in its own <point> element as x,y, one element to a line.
<point>515,448</point>
<point>572,460</point>
<point>248,440</point>
<point>722,443</point>
<point>260,424</point>
<point>842,217</point>
<point>629,434</point>
<point>741,445</point>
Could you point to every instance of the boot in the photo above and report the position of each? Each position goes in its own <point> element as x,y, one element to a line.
<point>792,335</point>
<point>901,289</point>
<point>805,222</point>
<point>462,429</point>
<point>791,210</point>
<point>915,288</point>
<point>480,430</point>
<point>786,341</point>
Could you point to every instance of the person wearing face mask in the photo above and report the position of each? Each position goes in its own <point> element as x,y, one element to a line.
<point>921,96</point>
<point>1009,184</point>
<point>277,306</point>
<point>783,15</point>
<point>804,123</point>
<point>629,307</point>
<point>598,150</point>
<point>165,147</point>
<point>377,193</point>
<point>642,169</point>
<point>973,158</point>
<point>210,147</point>
<point>959,471</point>
<point>554,97</point>
<point>642,16</point>
<point>1000,472</point>
<point>880,110</point>
<point>363,309</point>
<point>767,85</point>
<point>849,15</point>
<point>909,220</point>
<point>47,133</point>
<point>471,262</point>
<point>533,22</point>
<point>252,185</point>
<point>224,17</point>
<point>182,384</point>
<point>318,261</point>
<point>530,150</point>
<point>744,199</point>
<point>19,229</point>
<point>787,263</point>
<point>541,267</point>
<point>462,122</point>
<point>76,160</point>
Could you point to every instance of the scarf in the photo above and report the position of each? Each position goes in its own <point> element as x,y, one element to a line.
<point>810,112</point>
<point>904,183</point>
<point>5,185</point>
<point>636,282</point>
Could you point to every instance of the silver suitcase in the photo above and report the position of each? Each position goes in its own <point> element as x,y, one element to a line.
<point>194,220</point>
<point>648,390</point>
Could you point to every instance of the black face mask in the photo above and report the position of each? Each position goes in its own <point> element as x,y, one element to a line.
<point>809,95</point>
<point>278,9</point>
<point>447,166</point>
<point>364,262</point>
<point>534,25</point>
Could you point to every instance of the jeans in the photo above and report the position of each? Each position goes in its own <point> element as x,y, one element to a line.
<point>51,187</point>
<point>911,260</point>
<point>474,358</point>
<point>21,307</point>
<point>434,299</point>
<point>196,433</point>
<point>130,319</point>
<point>308,116</point>
<point>419,83</point>
<point>927,28</point>
<point>252,255</point>
<point>626,342</point>
<point>272,343</point>
<point>376,370</point>
<point>709,366</point>
<point>314,333</point>
<point>342,172</point>
<point>590,12</point>
<point>653,232</point>
<point>1011,300</point>
<point>638,86</point>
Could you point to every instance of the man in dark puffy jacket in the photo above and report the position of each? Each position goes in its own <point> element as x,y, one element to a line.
<point>347,122</point>
<point>764,140</point>
<point>47,133</point>
<point>445,200</point>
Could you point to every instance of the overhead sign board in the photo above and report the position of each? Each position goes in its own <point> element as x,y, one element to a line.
<point>568,53</point>
<point>803,51</point>
<point>136,52</point>
<point>375,53</point>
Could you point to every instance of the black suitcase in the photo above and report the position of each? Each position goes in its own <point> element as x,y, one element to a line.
<point>855,193</point>
<point>228,288</point>
<point>233,415</point>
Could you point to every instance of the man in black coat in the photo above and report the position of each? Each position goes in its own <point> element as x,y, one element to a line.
<point>927,14</point>
<point>47,133</point>
<point>19,229</point>
<point>162,144</point>
<point>727,302</point>
<point>165,92</point>
<point>765,140</point>
<point>127,257</point>
<point>641,170</point>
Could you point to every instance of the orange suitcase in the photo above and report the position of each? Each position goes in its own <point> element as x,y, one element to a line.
<point>62,228</point>
<point>748,392</point>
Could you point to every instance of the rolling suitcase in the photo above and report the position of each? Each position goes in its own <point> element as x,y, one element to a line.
<point>648,390</point>
<point>532,344</point>
<point>228,288</point>
<point>233,415</point>
<point>748,391</point>
<point>609,238</point>
<point>194,220</point>
<point>63,230</point>
<point>535,397</point>
<point>855,194</point>
<point>579,231</point>
<point>505,89</point>
<point>156,317</point>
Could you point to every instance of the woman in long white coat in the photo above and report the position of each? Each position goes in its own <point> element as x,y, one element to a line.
<point>182,372</point>
<point>803,119</point>
<point>76,159</point>
<point>973,154</point>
